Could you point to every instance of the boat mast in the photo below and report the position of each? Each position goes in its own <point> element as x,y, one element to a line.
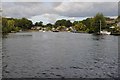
<point>100,26</point>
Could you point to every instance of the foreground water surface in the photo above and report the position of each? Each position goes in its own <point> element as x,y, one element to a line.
<point>58,55</point>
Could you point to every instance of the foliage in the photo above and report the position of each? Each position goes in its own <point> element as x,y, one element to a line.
<point>61,28</point>
<point>49,25</point>
<point>96,22</point>
<point>25,23</point>
<point>75,22</point>
<point>11,24</point>
<point>90,25</point>
<point>80,27</point>
<point>39,23</point>
<point>63,22</point>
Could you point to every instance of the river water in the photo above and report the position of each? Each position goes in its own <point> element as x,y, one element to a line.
<point>59,55</point>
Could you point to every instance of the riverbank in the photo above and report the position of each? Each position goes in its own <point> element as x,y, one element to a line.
<point>30,30</point>
<point>116,34</point>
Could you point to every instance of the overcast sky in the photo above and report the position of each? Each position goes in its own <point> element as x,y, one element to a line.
<point>49,12</point>
<point>60,0</point>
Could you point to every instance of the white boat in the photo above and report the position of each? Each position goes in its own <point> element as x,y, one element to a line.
<point>44,31</point>
<point>105,32</point>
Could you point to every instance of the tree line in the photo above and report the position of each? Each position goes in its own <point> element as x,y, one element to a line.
<point>90,25</point>
<point>13,24</point>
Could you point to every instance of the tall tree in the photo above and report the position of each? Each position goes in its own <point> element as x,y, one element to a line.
<point>99,18</point>
<point>4,22</point>
<point>75,22</point>
<point>25,23</point>
<point>11,24</point>
<point>80,27</point>
<point>39,23</point>
<point>68,23</point>
<point>63,22</point>
<point>49,25</point>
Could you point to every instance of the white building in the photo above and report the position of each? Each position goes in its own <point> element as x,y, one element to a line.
<point>118,24</point>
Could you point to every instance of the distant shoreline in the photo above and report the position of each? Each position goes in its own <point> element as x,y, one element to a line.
<point>115,34</point>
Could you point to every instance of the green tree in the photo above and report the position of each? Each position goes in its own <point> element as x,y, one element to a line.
<point>10,25</point>
<point>68,23</point>
<point>13,24</point>
<point>88,23</point>
<point>4,22</point>
<point>60,23</point>
<point>96,22</point>
<point>49,26</point>
<point>25,23</point>
<point>63,22</point>
<point>36,24</point>
<point>39,23</point>
<point>80,27</point>
<point>75,22</point>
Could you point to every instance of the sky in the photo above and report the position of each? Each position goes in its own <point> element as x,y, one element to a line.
<point>60,0</point>
<point>49,11</point>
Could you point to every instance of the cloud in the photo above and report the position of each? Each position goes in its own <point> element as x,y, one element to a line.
<point>60,0</point>
<point>87,8</point>
<point>51,18</point>
<point>46,18</point>
<point>26,9</point>
<point>51,11</point>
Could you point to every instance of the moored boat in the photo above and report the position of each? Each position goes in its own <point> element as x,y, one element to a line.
<point>105,32</point>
